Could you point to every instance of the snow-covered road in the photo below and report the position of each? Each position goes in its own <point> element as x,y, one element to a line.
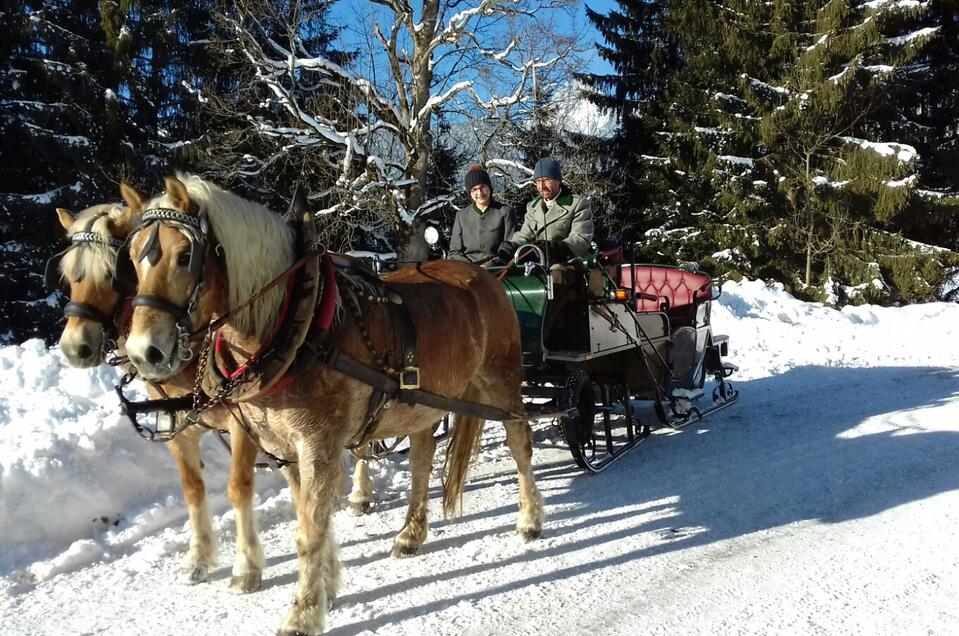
<point>824,502</point>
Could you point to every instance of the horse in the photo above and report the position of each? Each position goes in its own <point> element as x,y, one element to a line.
<point>95,314</point>
<point>209,250</point>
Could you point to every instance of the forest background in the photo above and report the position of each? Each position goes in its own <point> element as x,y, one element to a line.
<point>810,142</point>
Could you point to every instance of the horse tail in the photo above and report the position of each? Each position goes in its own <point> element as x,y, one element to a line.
<point>465,435</point>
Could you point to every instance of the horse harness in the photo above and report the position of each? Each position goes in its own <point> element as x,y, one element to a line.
<point>392,378</point>
<point>196,230</point>
<point>53,281</point>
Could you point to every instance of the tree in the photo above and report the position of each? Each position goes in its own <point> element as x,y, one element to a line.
<point>445,58</point>
<point>644,54</point>
<point>784,157</point>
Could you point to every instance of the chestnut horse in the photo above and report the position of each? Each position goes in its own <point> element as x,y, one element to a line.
<point>87,268</point>
<point>468,346</point>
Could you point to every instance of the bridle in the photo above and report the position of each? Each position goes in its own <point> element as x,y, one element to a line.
<point>86,311</point>
<point>196,229</point>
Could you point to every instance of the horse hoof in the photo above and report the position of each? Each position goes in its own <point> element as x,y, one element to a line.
<point>404,550</point>
<point>196,574</point>
<point>360,508</point>
<point>286,632</point>
<point>246,583</point>
<point>329,603</point>
<point>529,534</point>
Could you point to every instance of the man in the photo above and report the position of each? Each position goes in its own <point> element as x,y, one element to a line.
<point>558,220</point>
<point>480,227</point>
<point>561,223</point>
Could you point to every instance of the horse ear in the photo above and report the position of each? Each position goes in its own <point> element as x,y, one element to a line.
<point>121,224</point>
<point>178,194</point>
<point>131,197</point>
<point>66,219</point>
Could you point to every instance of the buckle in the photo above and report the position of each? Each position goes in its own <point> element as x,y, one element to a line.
<point>410,378</point>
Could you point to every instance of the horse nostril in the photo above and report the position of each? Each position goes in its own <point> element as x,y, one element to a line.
<point>84,352</point>
<point>155,356</point>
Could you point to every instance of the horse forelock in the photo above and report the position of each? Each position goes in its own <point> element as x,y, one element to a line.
<point>92,260</point>
<point>257,246</point>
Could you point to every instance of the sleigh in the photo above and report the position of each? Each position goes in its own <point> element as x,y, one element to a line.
<point>628,335</point>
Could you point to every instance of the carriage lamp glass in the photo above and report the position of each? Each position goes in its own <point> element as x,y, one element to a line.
<point>165,422</point>
<point>432,235</point>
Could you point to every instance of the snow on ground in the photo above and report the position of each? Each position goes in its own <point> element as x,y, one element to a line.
<point>824,502</point>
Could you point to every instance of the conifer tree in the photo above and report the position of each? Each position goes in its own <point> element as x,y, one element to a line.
<point>644,55</point>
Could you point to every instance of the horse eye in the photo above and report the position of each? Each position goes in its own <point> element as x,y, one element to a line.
<point>183,259</point>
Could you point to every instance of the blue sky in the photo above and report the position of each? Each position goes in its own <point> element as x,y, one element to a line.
<point>355,33</point>
<point>597,65</point>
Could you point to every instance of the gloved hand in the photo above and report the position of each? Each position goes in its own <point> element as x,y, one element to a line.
<point>505,252</point>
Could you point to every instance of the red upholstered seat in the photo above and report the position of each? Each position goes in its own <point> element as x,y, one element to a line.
<point>655,286</point>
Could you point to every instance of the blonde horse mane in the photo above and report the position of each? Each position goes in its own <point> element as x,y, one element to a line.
<point>257,245</point>
<point>95,260</point>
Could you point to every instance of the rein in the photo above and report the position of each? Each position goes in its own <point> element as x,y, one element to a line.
<point>225,318</point>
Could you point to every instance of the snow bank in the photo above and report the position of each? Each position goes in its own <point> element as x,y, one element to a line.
<point>771,331</point>
<point>70,468</point>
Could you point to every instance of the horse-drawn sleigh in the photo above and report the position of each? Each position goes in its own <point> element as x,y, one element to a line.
<point>240,326</point>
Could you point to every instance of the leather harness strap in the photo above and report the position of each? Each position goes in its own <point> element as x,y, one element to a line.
<point>351,367</point>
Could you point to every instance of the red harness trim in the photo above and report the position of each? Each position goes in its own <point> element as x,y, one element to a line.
<point>322,321</point>
<point>284,307</point>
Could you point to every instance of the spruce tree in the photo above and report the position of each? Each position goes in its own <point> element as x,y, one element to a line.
<point>644,56</point>
<point>789,150</point>
<point>58,119</point>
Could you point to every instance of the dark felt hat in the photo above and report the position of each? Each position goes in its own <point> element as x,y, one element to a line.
<point>477,175</point>
<point>547,168</point>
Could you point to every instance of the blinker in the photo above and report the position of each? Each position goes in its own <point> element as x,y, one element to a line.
<point>151,251</point>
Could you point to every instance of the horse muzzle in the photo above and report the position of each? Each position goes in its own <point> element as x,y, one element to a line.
<point>154,353</point>
<point>82,344</point>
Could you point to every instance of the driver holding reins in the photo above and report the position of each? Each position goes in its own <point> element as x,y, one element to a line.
<point>560,222</point>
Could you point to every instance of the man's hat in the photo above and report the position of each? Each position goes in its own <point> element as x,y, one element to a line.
<point>547,168</point>
<point>477,175</point>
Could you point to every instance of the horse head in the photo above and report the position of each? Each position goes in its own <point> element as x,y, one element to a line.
<point>84,272</point>
<point>179,282</point>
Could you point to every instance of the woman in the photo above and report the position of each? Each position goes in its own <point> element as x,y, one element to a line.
<point>480,227</point>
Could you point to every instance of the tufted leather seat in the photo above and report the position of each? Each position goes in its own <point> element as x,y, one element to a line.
<point>664,288</point>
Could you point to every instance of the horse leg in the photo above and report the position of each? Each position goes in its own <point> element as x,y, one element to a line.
<point>413,534</point>
<point>249,562</point>
<point>361,496</point>
<point>185,449</point>
<point>519,438</point>
<point>319,482</point>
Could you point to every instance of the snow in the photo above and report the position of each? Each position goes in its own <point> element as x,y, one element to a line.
<point>909,37</point>
<point>892,4</point>
<point>576,114</point>
<point>821,181</point>
<point>823,38</point>
<point>743,161</point>
<point>782,90</point>
<point>902,183</point>
<point>904,153</point>
<point>825,501</point>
